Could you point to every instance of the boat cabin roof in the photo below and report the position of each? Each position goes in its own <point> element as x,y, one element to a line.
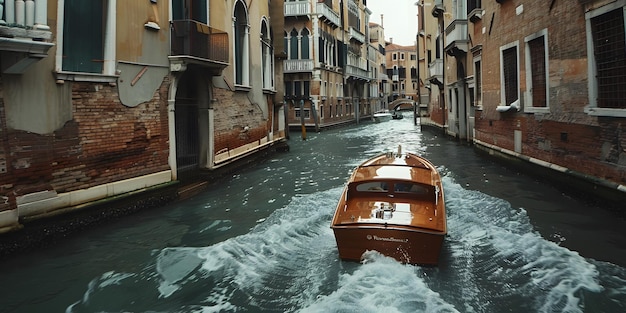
<point>409,167</point>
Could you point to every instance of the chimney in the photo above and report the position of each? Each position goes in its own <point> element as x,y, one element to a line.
<point>381,21</point>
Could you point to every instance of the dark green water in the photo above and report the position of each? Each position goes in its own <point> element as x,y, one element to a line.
<point>260,242</point>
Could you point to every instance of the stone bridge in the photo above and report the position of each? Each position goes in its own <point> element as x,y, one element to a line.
<point>400,104</point>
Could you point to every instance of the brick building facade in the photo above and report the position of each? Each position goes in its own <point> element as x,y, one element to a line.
<point>538,81</point>
<point>142,101</point>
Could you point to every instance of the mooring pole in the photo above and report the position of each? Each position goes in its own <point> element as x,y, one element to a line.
<point>315,117</point>
<point>302,120</point>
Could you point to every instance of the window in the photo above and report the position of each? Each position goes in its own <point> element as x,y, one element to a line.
<point>402,56</point>
<point>293,49</point>
<point>307,89</point>
<point>307,113</point>
<point>509,74</point>
<point>537,69</point>
<point>267,60</point>
<point>394,56</point>
<point>288,88</point>
<point>304,43</point>
<point>478,81</point>
<point>297,88</point>
<point>189,10</point>
<point>286,43</point>
<point>241,41</point>
<point>84,45</point>
<point>607,70</point>
<point>299,44</point>
<point>608,31</point>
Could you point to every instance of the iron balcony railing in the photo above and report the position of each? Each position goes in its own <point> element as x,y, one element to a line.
<point>195,39</point>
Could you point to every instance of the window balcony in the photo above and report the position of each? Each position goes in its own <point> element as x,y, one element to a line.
<point>435,72</point>
<point>356,35</point>
<point>193,42</point>
<point>297,66</point>
<point>357,73</point>
<point>328,15</point>
<point>438,9</point>
<point>297,8</point>
<point>24,33</point>
<point>457,38</point>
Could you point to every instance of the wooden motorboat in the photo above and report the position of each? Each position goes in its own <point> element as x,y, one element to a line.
<point>394,204</point>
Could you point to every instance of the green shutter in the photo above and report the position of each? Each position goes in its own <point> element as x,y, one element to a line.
<point>83,34</point>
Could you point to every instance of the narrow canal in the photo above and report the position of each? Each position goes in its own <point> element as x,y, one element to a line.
<point>260,241</point>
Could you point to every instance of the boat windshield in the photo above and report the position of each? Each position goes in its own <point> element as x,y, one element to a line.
<point>373,186</point>
<point>408,188</point>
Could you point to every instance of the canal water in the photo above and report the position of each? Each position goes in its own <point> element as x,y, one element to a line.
<point>260,241</point>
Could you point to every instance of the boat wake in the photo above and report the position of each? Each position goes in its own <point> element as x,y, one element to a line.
<point>493,260</point>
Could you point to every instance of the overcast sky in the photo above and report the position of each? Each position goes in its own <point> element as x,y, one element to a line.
<point>400,19</point>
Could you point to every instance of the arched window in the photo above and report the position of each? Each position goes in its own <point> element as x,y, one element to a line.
<point>266,55</point>
<point>286,42</point>
<point>293,49</point>
<point>242,47</point>
<point>304,43</point>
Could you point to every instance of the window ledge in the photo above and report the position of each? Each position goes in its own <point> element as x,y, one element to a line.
<point>86,77</point>
<point>269,91</point>
<point>595,111</point>
<point>476,15</point>
<point>242,88</point>
<point>536,110</point>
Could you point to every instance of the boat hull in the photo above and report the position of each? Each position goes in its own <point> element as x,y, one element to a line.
<point>407,245</point>
<point>381,118</point>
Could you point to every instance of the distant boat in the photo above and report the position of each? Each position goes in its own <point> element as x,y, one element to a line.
<point>381,116</point>
<point>397,115</point>
<point>394,204</point>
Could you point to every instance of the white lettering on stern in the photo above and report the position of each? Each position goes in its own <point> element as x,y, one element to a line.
<point>390,239</point>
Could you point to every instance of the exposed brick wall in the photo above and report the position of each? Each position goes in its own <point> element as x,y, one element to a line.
<point>105,142</point>
<point>233,112</point>
<point>566,136</point>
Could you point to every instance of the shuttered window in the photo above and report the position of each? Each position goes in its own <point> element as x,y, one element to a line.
<point>538,71</point>
<point>510,75</point>
<point>83,36</point>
